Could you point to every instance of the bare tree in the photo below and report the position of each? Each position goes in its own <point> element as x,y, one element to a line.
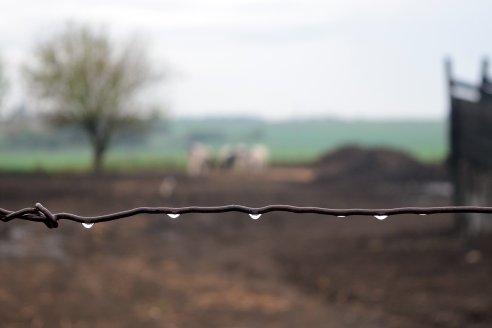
<point>86,80</point>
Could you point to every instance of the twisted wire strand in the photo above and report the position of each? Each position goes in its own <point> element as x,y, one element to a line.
<point>39,213</point>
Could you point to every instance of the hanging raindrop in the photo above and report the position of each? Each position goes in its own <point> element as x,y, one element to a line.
<point>254,216</point>
<point>87,225</point>
<point>422,214</point>
<point>341,216</point>
<point>380,217</point>
<point>173,215</point>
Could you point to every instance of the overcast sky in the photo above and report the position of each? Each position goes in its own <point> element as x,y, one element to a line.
<point>280,58</point>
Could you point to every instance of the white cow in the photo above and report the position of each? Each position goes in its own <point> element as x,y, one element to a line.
<point>199,160</point>
<point>258,158</point>
<point>242,158</point>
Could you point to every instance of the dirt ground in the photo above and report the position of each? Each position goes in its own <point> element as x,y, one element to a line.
<point>226,270</point>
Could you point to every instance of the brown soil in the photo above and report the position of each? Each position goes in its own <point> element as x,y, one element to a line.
<point>227,270</point>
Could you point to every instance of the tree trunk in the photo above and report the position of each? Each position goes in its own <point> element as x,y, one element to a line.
<point>98,151</point>
<point>99,142</point>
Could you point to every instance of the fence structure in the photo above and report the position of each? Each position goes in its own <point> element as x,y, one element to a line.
<point>470,141</point>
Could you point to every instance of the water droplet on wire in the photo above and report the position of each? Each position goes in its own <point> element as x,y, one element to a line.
<point>341,216</point>
<point>173,215</point>
<point>381,217</point>
<point>423,214</point>
<point>87,225</point>
<point>254,216</point>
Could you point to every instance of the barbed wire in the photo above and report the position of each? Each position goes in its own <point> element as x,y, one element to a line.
<point>39,213</point>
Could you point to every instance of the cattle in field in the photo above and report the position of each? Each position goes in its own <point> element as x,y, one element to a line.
<point>258,158</point>
<point>200,160</point>
<point>242,158</point>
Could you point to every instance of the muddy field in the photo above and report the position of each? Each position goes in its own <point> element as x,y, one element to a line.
<point>227,270</point>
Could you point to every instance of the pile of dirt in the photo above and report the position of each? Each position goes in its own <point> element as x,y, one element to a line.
<point>372,164</point>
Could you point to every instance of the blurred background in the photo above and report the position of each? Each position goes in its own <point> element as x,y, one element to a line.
<point>109,105</point>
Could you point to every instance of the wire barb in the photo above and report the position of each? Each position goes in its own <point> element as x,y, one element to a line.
<point>50,220</point>
<point>39,213</point>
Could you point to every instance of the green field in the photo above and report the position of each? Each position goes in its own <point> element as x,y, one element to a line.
<point>289,143</point>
